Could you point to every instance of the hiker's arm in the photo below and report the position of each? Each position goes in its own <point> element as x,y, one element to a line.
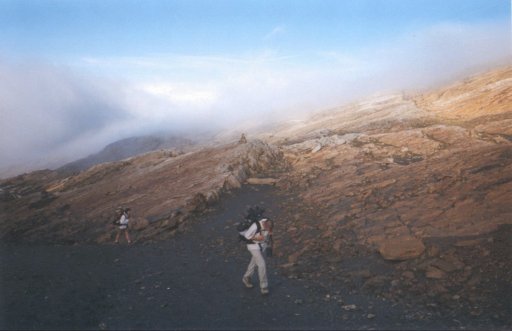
<point>258,237</point>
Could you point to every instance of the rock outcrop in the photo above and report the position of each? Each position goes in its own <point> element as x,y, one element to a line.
<point>162,189</point>
<point>403,167</point>
<point>402,248</point>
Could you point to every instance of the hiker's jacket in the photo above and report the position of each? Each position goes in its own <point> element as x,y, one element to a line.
<point>123,222</point>
<point>252,231</point>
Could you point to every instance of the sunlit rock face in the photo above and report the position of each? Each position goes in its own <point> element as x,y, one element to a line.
<point>433,165</point>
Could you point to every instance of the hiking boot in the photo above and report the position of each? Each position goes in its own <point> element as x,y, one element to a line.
<point>247,282</point>
<point>264,291</point>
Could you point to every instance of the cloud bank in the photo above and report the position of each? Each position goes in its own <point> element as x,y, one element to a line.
<point>55,114</point>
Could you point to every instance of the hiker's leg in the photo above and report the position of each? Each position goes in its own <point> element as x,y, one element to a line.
<point>251,267</point>
<point>117,236</point>
<point>127,236</point>
<point>262,268</point>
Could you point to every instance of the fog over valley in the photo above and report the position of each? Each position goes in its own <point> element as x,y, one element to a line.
<point>53,112</point>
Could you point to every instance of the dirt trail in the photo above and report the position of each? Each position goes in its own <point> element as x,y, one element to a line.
<point>190,282</point>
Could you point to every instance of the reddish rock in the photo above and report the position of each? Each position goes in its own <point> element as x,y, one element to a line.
<point>403,248</point>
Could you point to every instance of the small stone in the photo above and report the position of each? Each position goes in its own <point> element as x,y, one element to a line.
<point>370,316</point>
<point>476,312</point>
<point>408,274</point>
<point>435,273</point>
<point>349,307</point>
<point>475,279</point>
<point>433,251</point>
<point>444,265</point>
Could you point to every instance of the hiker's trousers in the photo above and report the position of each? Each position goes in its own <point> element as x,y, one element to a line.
<point>257,261</point>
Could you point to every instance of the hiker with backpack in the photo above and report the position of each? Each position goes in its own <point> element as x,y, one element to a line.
<point>122,224</point>
<point>257,235</point>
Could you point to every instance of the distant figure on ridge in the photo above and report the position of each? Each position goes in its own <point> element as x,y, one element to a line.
<point>243,139</point>
<point>122,224</point>
<point>258,237</point>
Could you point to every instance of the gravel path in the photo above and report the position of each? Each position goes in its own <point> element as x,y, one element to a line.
<point>190,282</point>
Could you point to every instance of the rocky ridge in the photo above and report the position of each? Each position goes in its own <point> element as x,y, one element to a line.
<point>126,148</point>
<point>163,189</point>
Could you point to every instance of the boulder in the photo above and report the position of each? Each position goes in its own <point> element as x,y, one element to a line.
<point>212,196</point>
<point>196,203</point>
<point>261,181</point>
<point>231,182</point>
<point>402,248</point>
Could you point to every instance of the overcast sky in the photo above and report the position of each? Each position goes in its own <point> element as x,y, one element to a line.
<point>77,75</point>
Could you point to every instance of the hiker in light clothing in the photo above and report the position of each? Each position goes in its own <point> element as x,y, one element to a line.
<point>260,236</point>
<point>123,225</point>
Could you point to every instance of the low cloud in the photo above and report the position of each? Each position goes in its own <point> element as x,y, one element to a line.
<point>53,114</point>
<point>443,52</point>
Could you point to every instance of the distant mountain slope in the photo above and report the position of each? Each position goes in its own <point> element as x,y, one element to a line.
<point>125,148</point>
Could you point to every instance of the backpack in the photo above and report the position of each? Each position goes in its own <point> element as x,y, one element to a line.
<point>117,220</point>
<point>254,214</point>
<point>244,226</point>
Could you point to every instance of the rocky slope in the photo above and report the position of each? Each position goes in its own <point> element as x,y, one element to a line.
<point>424,181</point>
<point>436,164</point>
<point>409,167</point>
<point>162,188</point>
